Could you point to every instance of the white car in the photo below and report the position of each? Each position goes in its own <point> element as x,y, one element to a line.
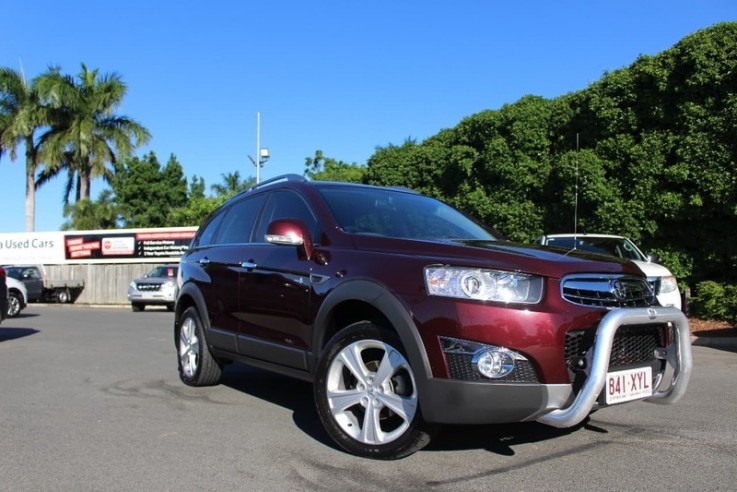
<point>158,287</point>
<point>663,282</point>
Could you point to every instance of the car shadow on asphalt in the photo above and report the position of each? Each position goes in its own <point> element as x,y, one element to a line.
<point>289,393</point>
<point>500,438</point>
<point>727,344</point>
<point>7,333</point>
<point>296,396</point>
<point>22,315</point>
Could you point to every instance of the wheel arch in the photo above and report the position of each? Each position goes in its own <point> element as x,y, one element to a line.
<point>359,300</point>
<point>189,295</point>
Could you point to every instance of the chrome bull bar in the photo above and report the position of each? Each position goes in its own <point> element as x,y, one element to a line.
<point>677,356</point>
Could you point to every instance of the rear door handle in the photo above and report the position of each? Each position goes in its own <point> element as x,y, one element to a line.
<point>249,264</point>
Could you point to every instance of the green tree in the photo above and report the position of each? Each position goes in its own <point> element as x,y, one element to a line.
<point>321,168</point>
<point>21,117</point>
<point>85,215</point>
<point>87,134</point>
<point>656,158</point>
<point>145,192</point>
<point>195,211</point>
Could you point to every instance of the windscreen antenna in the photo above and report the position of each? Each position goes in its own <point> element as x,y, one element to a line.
<point>575,199</point>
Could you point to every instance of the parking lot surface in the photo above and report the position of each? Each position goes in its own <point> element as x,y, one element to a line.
<point>90,400</point>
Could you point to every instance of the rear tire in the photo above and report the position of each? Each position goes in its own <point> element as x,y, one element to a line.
<point>62,296</point>
<point>197,366</point>
<point>366,395</point>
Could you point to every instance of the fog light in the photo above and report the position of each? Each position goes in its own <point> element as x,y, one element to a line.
<point>493,362</point>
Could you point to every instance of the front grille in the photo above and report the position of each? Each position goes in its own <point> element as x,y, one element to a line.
<point>149,287</point>
<point>459,367</point>
<point>607,291</point>
<point>632,345</point>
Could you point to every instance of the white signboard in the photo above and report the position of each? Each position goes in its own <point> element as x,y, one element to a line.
<point>109,246</point>
<point>31,248</point>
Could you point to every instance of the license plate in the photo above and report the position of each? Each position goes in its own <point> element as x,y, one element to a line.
<point>628,385</point>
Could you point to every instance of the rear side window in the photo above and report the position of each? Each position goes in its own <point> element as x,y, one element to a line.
<point>205,237</point>
<point>239,221</point>
<point>286,205</point>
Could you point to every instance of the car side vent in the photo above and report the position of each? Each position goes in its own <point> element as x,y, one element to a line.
<point>607,291</point>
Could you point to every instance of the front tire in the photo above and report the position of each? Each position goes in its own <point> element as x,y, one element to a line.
<point>15,304</point>
<point>366,395</point>
<point>197,366</point>
<point>137,307</point>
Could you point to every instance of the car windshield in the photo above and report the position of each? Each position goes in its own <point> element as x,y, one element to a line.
<point>163,271</point>
<point>610,246</point>
<point>393,213</point>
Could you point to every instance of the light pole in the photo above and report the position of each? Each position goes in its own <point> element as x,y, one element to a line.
<point>262,154</point>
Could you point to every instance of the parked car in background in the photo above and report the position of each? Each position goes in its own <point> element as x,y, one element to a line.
<point>663,282</point>
<point>156,288</point>
<point>3,295</point>
<point>404,312</point>
<point>17,296</point>
<point>43,289</point>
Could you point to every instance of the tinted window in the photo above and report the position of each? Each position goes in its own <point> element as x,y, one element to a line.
<point>285,204</point>
<point>205,237</point>
<point>239,221</point>
<point>398,214</point>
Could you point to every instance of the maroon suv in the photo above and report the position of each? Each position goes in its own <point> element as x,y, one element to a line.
<point>403,312</point>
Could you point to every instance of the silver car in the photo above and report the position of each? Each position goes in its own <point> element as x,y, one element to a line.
<point>157,288</point>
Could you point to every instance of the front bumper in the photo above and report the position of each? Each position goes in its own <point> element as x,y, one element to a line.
<point>152,297</point>
<point>677,356</point>
<point>480,402</point>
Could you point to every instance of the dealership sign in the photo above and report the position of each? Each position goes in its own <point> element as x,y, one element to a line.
<point>113,246</point>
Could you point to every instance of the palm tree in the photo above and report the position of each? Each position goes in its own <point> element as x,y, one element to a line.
<point>20,117</point>
<point>86,134</point>
<point>232,184</point>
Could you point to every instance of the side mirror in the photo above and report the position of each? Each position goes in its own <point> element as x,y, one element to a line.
<point>652,258</point>
<point>290,232</point>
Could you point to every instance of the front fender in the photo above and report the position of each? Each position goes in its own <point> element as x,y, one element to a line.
<point>389,305</point>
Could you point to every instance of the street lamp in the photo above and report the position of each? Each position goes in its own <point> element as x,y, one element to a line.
<point>261,152</point>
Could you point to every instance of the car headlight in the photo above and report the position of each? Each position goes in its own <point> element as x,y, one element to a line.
<point>132,285</point>
<point>169,286</point>
<point>668,284</point>
<point>483,285</point>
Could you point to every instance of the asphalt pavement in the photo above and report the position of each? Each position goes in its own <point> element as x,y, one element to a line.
<point>90,400</point>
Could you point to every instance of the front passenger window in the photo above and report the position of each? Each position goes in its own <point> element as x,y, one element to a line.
<point>286,205</point>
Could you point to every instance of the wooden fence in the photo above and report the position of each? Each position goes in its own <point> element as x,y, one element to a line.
<point>103,283</point>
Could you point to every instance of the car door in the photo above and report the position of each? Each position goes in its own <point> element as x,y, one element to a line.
<point>218,262</point>
<point>33,281</point>
<point>275,289</point>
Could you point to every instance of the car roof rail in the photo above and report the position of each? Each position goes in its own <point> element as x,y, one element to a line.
<point>403,188</point>
<point>283,177</point>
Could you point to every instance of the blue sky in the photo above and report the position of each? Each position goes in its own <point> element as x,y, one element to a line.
<point>344,76</point>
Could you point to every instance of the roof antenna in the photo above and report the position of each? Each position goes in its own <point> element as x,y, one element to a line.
<point>575,204</point>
